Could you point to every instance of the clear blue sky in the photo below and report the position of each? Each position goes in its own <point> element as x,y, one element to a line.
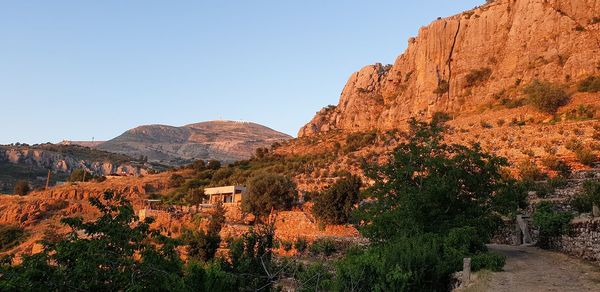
<point>82,69</point>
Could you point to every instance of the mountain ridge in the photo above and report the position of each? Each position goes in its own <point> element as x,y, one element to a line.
<point>219,139</point>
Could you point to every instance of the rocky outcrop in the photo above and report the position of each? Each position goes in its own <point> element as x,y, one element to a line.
<point>503,44</point>
<point>65,163</point>
<point>221,140</point>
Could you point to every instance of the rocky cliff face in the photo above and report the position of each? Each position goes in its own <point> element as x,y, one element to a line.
<point>221,140</point>
<point>463,62</point>
<point>60,162</point>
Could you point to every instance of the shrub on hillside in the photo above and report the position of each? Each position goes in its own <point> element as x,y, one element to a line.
<point>268,192</point>
<point>586,156</point>
<point>528,171</point>
<point>10,236</point>
<point>551,223</point>
<point>489,261</point>
<point>80,175</point>
<point>554,163</point>
<point>335,204</point>
<point>590,84</point>
<point>443,87</point>
<point>582,112</point>
<point>324,247</point>
<point>477,76</point>
<point>300,244</point>
<point>356,141</point>
<point>545,96</point>
<point>22,188</point>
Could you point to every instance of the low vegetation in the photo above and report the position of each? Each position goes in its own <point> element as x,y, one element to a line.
<point>477,76</point>
<point>10,236</point>
<point>590,84</point>
<point>334,206</point>
<point>551,223</point>
<point>546,96</point>
<point>22,188</point>
<point>443,87</point>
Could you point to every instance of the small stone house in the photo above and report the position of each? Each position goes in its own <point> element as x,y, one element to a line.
<point>227,194</point>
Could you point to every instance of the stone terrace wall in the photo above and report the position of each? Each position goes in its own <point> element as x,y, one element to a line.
<point>583,240</point>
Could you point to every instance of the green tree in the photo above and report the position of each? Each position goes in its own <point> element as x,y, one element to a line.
<point>335,205</point>
<point>213,164</point>
<point>267,192</point>
<point>22,188</point>
<point>431,205</point>
<point>429,186</point>
<point>80,175</point>
<point>194,197</point>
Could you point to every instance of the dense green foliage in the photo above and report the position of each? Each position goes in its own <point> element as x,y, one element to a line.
<point>22,188</point>
<point>545,96</point>
<point>431,205</point>
<point>268,192</point>
<point>335,205</point>
<point>590,196</point>
<point>551,223</point>
<point>202,245</point>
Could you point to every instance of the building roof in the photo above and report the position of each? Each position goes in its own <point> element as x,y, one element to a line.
<point>224,190</point>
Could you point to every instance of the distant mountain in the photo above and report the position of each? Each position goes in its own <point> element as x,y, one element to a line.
<point>222,140</point>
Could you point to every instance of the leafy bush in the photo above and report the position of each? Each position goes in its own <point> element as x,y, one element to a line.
<point>323,247</point>
<point>557,182</point>
<point>582,112</point>
<point>528,171</point>
<point>513,103</point>
<point>356,141</point>
<point>287,245</point>
<point>80,175</point>
<point>477,76</point>
<point>10,236</point>
<point>301,244</point>
<point>552,162</point>
<point>550,222</point>
<point>22,188</point>
<point>592,190</point>
<point>267,192</point>
<point>443,87</point>
<point>590,84</point>
<point>485,125</point>
<point>545,96</point>
<point>586,156</point>
<point>335,204</point>
<point>582,203</point>
<point>315,277</point>
<point>489,261</point>
<point>176,180</point>
<point>408,264</point>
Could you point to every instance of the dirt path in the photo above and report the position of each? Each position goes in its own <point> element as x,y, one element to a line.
<point>533,269</point>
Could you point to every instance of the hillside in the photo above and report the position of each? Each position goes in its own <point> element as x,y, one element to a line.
<point>470,62</point>
<point>32,162</point>
<point>222,140</point>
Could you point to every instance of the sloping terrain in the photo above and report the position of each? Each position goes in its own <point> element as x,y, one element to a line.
<point>469,62</point>
<point>32,163</point>
<point>221,140</point>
